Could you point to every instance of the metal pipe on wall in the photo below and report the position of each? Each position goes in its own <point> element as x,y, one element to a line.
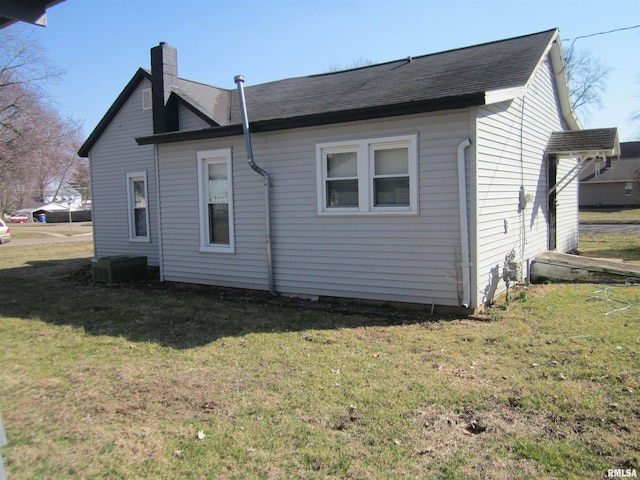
<point>239,80</point>
<point>464,223</point>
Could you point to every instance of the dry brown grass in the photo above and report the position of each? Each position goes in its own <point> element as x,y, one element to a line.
<point>117,383</point>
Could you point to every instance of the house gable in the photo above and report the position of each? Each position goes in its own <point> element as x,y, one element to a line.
<point>113,110</point>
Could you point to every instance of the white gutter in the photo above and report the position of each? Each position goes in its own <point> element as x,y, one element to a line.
<point>239,79</point>
<point>464,223</point>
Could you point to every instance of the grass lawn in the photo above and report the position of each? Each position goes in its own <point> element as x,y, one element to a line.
<point>21,231</point>
<point>140,381</point>
<point>630,215</point>
<point>614,245</point>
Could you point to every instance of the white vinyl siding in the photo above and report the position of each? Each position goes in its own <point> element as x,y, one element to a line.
<point>114,153</point>
<point>189,120</point>
<point>408,258</point>
<point>510,146</point>
<point>567,210</point>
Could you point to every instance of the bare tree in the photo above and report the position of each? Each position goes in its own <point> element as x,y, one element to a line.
<point>356,63</point>
<point>24,73</point>
<point>81,179</point>
<point>586,76</point>
<point>37,146</point>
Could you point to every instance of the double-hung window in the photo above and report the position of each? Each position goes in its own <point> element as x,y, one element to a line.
<point>216,201</point>
<point>375,176</point>
<point>137,207</point>
<point>341,183</point>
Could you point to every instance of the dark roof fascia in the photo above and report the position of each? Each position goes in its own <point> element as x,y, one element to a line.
<point>204,133</point>
<point>128,90</point>
<point>425,106</point>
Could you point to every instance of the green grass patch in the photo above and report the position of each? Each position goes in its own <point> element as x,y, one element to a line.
<point>614,245</point>
<point>146,381</point>
<point>611,216</point>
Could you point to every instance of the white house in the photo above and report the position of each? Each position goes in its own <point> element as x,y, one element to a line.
<point>417,180</point>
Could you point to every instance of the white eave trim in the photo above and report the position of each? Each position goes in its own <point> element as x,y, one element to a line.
<point>582,155</point>
<point>504,94</point>
<point>558,68</point>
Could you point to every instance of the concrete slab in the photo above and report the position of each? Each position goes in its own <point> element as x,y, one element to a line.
<point>562,267</point>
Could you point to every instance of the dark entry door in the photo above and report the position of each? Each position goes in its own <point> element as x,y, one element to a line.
<point>552,177</point>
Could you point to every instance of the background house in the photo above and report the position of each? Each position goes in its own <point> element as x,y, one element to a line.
<point>420,180</point>
<point>64,196</point>
<point>612,182</point>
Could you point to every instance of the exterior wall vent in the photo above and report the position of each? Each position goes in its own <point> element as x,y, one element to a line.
<point>146,99</point>
<point>117,269</point>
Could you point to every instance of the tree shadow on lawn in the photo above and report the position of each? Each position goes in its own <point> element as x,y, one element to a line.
<point>180,316</point>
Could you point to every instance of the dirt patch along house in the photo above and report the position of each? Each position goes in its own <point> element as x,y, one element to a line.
<point>413,180</point>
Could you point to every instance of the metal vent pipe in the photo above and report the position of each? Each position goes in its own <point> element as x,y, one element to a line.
<point>239,80</point>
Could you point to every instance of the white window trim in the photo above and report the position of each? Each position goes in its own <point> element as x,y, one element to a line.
<point>205,158</point>
<point>131,177</point>
<point>364,149</point>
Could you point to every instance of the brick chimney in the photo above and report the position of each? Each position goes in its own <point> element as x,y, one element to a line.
<point>164,75</point>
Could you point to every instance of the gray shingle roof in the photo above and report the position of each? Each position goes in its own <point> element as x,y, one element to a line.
<point>624,169</point>
<point>455,73</point>
<point>211,103</point>
<point>451,79</point>
<point>600,139</point>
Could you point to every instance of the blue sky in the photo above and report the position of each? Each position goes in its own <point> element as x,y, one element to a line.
<point>101,43</point>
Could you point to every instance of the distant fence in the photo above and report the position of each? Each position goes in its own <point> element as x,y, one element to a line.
<point>63,217</point>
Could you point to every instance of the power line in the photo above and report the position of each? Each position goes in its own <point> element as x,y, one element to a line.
<point>600,33</point>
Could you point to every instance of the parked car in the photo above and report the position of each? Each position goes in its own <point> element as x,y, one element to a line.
<point>5,233</point>
<point>19,218</point>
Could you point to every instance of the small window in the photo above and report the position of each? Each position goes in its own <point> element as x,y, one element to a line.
<point>342,179</point>
<point>146,99</point>
<point>138,208</point>
<point>216,201</point>
<point>391,186</point>
<point>368,176</point>
<point>628,189</point>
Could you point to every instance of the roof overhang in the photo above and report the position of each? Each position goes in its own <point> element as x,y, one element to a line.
<point>583,144</point>
<point>29,11</point>
<point>432,105</point>
<point>505,94</point>
<point>559,67</point>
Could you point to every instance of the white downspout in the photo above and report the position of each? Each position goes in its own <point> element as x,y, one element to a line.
<point>464,223</point>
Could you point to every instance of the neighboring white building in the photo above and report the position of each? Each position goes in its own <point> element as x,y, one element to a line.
<point>409,181</point>
<point>64,196</point>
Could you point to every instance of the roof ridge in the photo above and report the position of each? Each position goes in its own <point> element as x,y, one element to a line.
<point>411,57</point>
<point>389,62</point>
